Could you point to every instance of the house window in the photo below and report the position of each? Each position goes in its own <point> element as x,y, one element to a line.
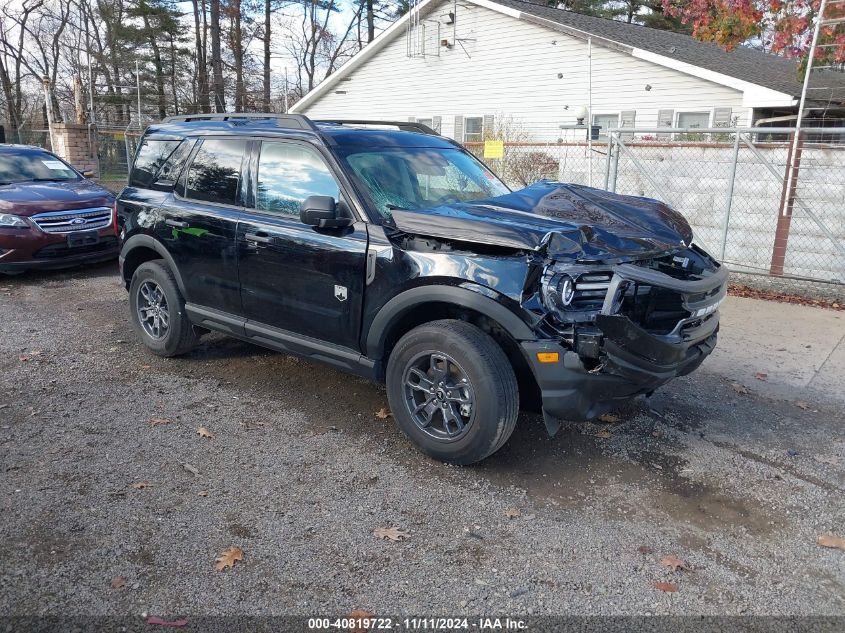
<point>693,119</point>
<point>473,129</point>
<point>605,122</point>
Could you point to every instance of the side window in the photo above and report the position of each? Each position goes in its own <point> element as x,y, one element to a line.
<point>169,173</point>
<point>216,171</point>
<point>287,174</point>
<point>148,161</point>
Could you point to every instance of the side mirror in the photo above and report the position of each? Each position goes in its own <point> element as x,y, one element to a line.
<point>88,174</point>
<point>323,212</point>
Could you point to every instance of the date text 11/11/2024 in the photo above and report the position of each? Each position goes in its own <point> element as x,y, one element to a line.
<point>373,623</point>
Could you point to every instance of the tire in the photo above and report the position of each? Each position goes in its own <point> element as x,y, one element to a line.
<point>179,336</point>
<point>476,369</point>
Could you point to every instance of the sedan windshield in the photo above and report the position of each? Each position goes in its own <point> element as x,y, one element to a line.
<point>33,166</point>
<point>420,177</point>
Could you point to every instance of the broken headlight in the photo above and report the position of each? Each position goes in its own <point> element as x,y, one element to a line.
<point>575,293</point>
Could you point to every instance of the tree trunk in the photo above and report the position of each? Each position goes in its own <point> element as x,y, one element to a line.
<point>238,54</point>
<point>266,95</point>
<point>216,59</point>
<point>371,25</point>
<point>202,68</point>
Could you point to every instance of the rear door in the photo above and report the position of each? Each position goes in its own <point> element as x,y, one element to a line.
<point>198,223</point>
<point>296,278</point>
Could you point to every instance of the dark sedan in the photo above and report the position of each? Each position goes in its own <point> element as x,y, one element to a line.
<point>51,216</point>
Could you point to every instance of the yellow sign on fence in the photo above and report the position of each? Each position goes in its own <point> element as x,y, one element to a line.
<point>494,149</point>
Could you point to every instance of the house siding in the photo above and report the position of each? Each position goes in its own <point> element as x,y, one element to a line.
<point>504,66</point>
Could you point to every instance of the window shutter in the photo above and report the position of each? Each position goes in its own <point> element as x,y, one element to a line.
<point>722,117</point>
<point>665,118</point>
<point>437,123</point>
<point>487,126</point>
<point>459,129</point>
<point>629,118</point>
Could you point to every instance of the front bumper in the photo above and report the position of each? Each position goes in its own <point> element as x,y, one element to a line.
<point>632,361</point>
<point>22,250</point>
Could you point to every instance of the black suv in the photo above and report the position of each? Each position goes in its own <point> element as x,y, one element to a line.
<point>389,251</point>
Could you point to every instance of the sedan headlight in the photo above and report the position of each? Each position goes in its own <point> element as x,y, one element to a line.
<point>8,220</point>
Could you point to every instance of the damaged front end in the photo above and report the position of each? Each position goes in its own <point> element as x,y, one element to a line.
<point>622,330</point>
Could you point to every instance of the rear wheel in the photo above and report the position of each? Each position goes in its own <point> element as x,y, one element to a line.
<point>452,391</point>
<point>157,310</point>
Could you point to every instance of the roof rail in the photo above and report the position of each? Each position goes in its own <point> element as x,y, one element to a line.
<point>295,121</point>
<point>405,126</point>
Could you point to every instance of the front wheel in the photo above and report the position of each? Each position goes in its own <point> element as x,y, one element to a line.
<point>157,310</point>
<point>452,391</point>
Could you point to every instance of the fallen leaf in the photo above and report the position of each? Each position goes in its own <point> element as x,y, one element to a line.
<point>739,388</point>
<point>673,562</point>
<point>192,469</point>
<point>228,558</point>
<point>202,493</point>
<point>761,375</point>
<point>146,366</point>
<point>140,485</point>
<point>645,549</point>
<point>204,432</point>
<point>802,405</point>
<point>603,434</point>
<point>171,623</point>
<point>513,513</point>
<point>118,582</point>
<point>383,414</point>
<point>609,418</point>
<point>391,533</point>
<point>23,358</point>
<point>668,587</point>
<point>159,421</point>
<point>829,540</point>
<point>355,617</point>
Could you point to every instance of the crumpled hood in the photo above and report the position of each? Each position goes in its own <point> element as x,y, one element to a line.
<point>29,198</point>
<point>565,220</point>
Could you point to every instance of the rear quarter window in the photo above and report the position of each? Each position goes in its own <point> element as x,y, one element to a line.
<point>151,157</point>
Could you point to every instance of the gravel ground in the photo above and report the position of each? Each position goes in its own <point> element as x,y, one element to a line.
<point>300,472</point>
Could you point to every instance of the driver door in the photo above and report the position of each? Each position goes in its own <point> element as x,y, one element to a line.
<point>295,278</point>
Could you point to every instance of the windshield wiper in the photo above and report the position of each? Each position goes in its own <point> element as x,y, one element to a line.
<point>393,207</point>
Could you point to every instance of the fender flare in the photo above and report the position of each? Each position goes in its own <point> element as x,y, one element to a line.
<point>458,295</point>
<point>147,241</point>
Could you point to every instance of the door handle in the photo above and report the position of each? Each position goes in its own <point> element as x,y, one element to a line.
<point>258,238</point>
<point>176,223</point>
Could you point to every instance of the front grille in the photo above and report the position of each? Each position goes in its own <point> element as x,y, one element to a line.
<point>63,250</point>
<point>590,290</point>
<point>74,220</point>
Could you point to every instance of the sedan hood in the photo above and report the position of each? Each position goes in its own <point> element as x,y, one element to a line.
<point>29,198</point>
<point>560,220</point>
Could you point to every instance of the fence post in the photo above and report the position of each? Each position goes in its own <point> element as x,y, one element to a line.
<point>787,202</point>
<point>730,195</point>
<point>615,169</point>
<point>607,163</point>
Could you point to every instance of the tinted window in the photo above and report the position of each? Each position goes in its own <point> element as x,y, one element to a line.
<point>216,171</point>
<point>148,161</point>
<point>173,167</point>
<point>288,174</point>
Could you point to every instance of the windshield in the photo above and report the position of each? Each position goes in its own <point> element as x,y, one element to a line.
<point>420,177</point>
<point>33,167</point>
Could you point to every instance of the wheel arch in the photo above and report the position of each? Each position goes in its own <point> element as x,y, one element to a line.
<point>143,248</point>
<point>423,304</point>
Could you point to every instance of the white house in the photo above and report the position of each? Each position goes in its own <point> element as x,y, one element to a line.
<point>457,64</point>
